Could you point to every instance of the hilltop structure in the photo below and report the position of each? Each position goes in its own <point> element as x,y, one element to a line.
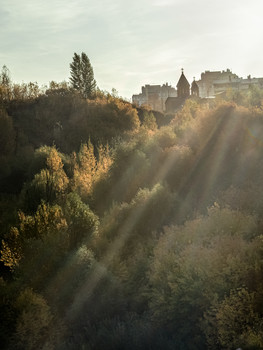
<point>195,89</point>
<point>154,96</point>
<point>183,87</point>
<point>214,83</point>
<point>166,98</point>
<point>172,104</point>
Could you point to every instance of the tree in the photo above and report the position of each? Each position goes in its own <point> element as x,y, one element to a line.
<point>34,323</point>
<point>82,222</point>
<point>49,184</point>
<point>149,120</point>
<point>82,76</point>
<point>7,135</point>
<point>235,321</point>
<point>5,84</point>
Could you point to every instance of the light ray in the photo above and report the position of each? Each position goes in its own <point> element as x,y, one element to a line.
<point>218,159</point>
<point>192,179</point>
<point>101,269</point>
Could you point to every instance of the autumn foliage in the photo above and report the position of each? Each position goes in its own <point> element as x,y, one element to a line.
<point>122,231</point>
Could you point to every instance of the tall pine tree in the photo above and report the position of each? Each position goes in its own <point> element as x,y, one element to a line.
<point>5,85</point>
<point>82,76</point>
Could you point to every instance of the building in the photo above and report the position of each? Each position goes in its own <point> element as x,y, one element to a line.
<point>195,89</point>
<point>236,84</point>
<point>173,104</point>
<point>183,87</point>
<point>214,83</point>
<point>154,96</point>
<point>207,86</point>
<point>166,99</point>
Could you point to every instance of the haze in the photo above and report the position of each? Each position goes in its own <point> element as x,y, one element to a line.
<point>130,43</point>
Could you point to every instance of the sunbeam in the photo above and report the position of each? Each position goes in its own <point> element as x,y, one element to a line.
<point>152,242</point>
<point>101,268</point>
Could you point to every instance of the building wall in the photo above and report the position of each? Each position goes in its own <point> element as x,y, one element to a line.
<point>210,85</point>
<point>214,83</point>
<point>205,84</point>
<point>154,96</point>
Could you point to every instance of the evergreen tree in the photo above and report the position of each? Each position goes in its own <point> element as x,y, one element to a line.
<point>82,76</point>
<point>5,84</point>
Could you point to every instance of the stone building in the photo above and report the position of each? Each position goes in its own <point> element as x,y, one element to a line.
<point>173,104</point>
<point>194,89</point>
<point>212,83</point>
<point>217,82</point>
<point>205,84</point>
<point>236,84</point>
<point>154,96</point>
<point>183,87</point>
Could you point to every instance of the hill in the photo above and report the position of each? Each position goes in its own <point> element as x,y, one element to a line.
<point>122,229</point>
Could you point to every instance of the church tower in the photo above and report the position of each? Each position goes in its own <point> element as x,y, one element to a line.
<point>194,89</point>
<point>183,87</point>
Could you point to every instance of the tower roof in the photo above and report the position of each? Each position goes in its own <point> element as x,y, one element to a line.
<point>194,85</point>
<point>182,81</point>
<point>195,89</point>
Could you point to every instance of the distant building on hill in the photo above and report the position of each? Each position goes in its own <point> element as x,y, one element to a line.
<point>166,99</point>
<point>214,83</point>
<point>195,89</point>
<point>172,104</point>
<point>183,87</point>
<point>154,96</point>
<point>205,84</point>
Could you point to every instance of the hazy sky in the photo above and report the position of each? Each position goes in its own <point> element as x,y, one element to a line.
<point>131,43</point>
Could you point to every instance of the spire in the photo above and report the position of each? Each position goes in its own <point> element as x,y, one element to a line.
<point>183,86</point>
<point>194,88</point>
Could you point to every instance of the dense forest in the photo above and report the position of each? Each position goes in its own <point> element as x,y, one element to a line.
<point>123,228</point>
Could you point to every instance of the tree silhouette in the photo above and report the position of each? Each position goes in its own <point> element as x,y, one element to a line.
<point>82,76</point>
<point>5,84</point>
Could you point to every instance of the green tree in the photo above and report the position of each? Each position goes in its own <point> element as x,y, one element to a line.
<point>49,184</point>
<point>149,121</point>
<point>82,76</point>
<point>82,222</point>
<point>235,322</point>
<point>5,84</point>
<point>34,323</point>
<point>7,134</point>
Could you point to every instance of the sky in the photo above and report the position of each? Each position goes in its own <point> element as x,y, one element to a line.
<point>130,43</point>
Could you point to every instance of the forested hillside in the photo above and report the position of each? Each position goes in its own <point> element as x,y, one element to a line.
<point>124,229</point>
